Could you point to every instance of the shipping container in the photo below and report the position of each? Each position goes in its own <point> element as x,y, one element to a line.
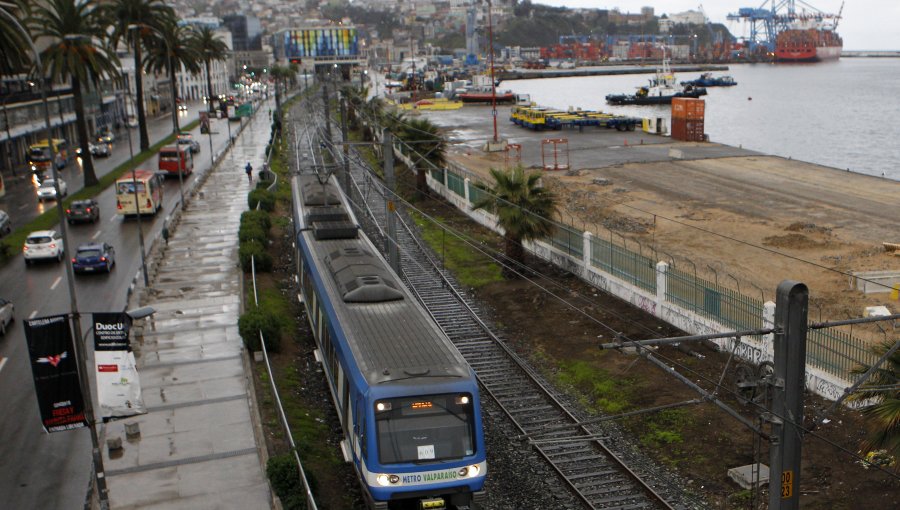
<point>688,108</point>
<point>688,130</point>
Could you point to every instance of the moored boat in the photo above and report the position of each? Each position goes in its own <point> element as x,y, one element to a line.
<point>661,90</point>
<point>486,96</point>
<point>808,45</point>
<point>708,80</point>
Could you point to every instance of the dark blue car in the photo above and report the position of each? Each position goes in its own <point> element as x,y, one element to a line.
<point>94,257</point>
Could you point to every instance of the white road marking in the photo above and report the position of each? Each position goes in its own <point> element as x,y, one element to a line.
<point>2,362</point>
<point>113,217</point>
<point>33,313</point>
<point>56,282</point>
<point>96,234</point>
<point>24,206</point>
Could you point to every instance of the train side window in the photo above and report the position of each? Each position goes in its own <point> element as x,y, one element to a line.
<point>345,421</point>
<point>361,419</point>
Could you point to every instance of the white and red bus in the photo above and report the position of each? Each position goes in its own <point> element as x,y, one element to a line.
<point>149,194</point>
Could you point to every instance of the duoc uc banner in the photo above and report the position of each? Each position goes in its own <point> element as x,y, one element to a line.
<point>55,371</point>
<point>118,386</point>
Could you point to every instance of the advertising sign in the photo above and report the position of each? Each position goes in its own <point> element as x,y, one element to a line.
<point>118,386</point>
<point>321,42</point>
<point>55,371</point>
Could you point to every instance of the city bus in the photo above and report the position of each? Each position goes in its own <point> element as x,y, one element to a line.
<point>39,156</point>
<point>149,193</point>
<point>174,159</point>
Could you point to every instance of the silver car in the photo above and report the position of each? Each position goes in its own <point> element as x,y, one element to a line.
<point>47,190</point>
<point>7,315</point>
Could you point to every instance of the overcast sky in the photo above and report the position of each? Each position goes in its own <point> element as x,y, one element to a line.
<point>865,24</point>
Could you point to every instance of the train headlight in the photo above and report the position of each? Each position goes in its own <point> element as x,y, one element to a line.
<point>463,400</point>
<point>385,480</point>
<point>383,406</point>
<point>470,471</point>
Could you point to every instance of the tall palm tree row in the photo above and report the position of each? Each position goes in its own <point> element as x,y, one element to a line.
<point>173,48</point>
<point>135,21</point>
<point>76,31</point>
<point>211,49</point>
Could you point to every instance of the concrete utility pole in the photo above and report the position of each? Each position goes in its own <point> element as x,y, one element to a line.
<point>390,243</point>
<point>345,138</point>
<point>327,111</point>
<point>791,310</point>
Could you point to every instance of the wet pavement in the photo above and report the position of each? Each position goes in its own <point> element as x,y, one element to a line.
<point>199,444</point>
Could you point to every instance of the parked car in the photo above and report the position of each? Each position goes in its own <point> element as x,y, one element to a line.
<point>5,223</point>
<point>83,210</point>
<point>101,150</point>
<point>47,190</point>
<point>43,244</point>
<point>94,257</point>
<point>188,140</point>
<point>131,121</point>
<point>7,314</point>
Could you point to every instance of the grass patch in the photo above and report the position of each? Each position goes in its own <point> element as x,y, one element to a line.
<point>598,390</point>
<point>11,245</point>
<point>665,428</point>
<point>470,267</point>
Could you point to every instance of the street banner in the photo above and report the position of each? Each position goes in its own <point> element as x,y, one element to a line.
<point>55,370</point>
<point>118,385</point>
<point>204,122</point>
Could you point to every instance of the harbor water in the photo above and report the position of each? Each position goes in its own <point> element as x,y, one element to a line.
<point>844,114</point>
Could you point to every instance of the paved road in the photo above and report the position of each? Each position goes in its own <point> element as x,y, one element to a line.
<point>38,470</point>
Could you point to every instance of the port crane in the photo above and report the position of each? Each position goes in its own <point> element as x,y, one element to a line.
<point>775,16</point>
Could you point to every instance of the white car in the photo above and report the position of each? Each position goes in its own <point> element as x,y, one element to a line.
<point>7,314</point>
<point>47,190</point>
<point>43,244</point>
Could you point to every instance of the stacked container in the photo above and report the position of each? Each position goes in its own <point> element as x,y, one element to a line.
<point>687,119</point>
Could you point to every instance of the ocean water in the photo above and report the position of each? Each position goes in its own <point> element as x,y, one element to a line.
<point>843,114</point>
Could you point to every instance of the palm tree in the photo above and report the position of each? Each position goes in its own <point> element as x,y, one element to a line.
<point>170,50</point>
<point>15,57</point>
<point>15,52</point>
<point>522,208</point>
<point>210,48</point>
<point>77,33</point>
<point>425,146</point>
<point>883,417</point>
<point>136,20</point>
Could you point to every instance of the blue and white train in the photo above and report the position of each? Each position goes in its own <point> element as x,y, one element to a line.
<point>407,400</point>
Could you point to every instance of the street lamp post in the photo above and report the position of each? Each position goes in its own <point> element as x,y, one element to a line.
<point>137,203</point>
<point>171,66</point>
<point>79,346</point>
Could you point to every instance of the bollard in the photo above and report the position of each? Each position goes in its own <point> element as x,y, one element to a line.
<point>132,430</point>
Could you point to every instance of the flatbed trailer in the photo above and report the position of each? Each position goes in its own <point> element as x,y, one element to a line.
<point>539,118</point>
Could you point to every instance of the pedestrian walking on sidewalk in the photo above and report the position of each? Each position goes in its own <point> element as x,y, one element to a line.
<point>249,170</point>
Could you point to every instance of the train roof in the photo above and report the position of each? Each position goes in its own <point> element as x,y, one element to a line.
<point>391,336</point>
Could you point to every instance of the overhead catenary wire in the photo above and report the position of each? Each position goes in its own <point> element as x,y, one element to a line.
<point>364,165</point>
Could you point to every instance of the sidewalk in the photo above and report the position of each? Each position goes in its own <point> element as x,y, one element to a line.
<point>197,447</point>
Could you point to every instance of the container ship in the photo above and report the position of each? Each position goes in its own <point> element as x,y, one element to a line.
<point>808,45</point>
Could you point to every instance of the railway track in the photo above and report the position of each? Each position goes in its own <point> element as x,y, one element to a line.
<point>596,470</point>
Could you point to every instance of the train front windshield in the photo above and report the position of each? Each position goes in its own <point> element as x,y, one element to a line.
<point>425,429</point>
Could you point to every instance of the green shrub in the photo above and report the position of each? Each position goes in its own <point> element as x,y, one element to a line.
<point>252,232</point>
<point>253,249</point>
<point>258,319</point>
<point>255,217</point>
<point>284,477</point>
<point>265,199</point>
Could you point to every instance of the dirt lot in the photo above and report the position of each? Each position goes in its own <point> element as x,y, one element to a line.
<point>706,442</point>
<point>740,220</point>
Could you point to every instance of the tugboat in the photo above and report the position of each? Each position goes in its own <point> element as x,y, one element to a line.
<point>708,80</point>
<point>661,90</point>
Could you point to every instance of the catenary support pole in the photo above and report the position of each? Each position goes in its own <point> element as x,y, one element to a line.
<point>791,311</point>
<point>391,241</point>
<point>345,138</point>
